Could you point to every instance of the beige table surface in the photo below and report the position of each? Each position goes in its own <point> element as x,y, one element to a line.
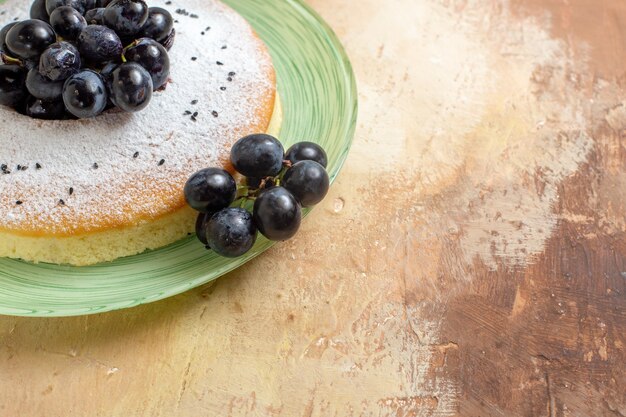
<point>470,260</point>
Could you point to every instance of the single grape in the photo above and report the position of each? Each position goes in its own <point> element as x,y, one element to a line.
<point>84,94</point>
<point>106,73</point>
<point>51,5</point>
<point>29,38</point>
<point>67,22</point>
<point>307,151</point>
<point>99,45</point>
<point>159,24</point>
<point>168,42</point>
<point>277,214</point>
<point>44,109</point>
<point>210,189</point>
<point>201,221</point>
<point>3,38</point>
<point>153,57</point>
<point>12,85</point>
<point>257,156</point>
<point>126,17</point>
<point>59,61</point>
<point>107,70</point>
<point>42,87</point>
<point>231,232</point>
<point>308,181</point>
<point>131,87</point>
<point>95,16</point>
<point>88,5</point>
<point>38,10</point>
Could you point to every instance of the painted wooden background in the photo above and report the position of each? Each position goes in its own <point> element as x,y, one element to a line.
<point>470,261</point>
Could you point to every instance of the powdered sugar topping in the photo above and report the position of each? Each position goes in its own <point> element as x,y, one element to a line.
<point>118,168</point>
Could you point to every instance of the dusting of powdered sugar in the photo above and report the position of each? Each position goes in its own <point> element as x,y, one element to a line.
<point>117,168</point>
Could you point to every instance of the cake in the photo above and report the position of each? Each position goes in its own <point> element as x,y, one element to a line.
<point>86,191</point>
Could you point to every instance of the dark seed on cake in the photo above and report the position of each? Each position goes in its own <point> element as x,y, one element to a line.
<point>19,203</point>
<point>95,165</point>
<point>232,74</point>
<point>168,3</point>
<point>229,79</point>
<point>187,112</point>
<point>223,88</point>
<point>38,165</point>
<point>61,202</point>
<point>71,190</point>
<point>202,33</point>
<point>224,47</point>
<point>194,119</point>
<point>161,162</point>
<point>195,114</point>
<point>193,58</point>
<point>194,16</point>
<point>214,113</point>
<point>136,155</point>
<point>194,102</point>
<point>219,63</point>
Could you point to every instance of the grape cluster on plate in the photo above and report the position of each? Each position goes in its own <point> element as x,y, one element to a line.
<point>279,183</point>
<point>76,58</point>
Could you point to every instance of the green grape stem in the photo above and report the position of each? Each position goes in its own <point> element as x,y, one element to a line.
<point>11,61</point>
<point>132,44</point>
<point>246,193</point>
<point>242,191</point>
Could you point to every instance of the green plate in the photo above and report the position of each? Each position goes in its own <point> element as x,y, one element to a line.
<point>318,92</point>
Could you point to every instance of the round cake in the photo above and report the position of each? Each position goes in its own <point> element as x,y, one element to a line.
<point>86,191</point>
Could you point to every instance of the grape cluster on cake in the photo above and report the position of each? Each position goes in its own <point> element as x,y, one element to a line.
<point>279,183</point>
<point>77,58</point>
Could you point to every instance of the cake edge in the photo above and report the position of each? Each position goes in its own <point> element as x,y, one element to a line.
<point>108,245</point>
